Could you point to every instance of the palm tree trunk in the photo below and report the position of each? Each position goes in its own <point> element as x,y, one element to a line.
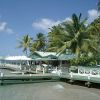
<point>26,53</point>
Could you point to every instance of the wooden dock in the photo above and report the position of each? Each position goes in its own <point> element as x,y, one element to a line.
<point>34,78</point>
<point>87,77</point>
<point>15,79</point>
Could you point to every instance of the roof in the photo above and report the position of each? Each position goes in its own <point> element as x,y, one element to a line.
<point>44,54</point>
<point>38,55</point>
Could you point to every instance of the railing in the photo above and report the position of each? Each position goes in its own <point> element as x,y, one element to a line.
<point>91,75</point>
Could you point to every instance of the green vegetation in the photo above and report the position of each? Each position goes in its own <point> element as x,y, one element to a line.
<point>38,44</point>
<point>70,35</point>
<point>25,43</point>
<point>74,36</point>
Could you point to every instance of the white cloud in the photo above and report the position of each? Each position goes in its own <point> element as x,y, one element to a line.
<point>4,28</point>
<point>45,23</point>
<point>68,19</point>
<point>92,14</point>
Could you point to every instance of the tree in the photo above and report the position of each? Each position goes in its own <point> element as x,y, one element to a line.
<point>77,39</point>
<point>71,35</point>
<point>55,38</point>
<point>38,44</point>
<point>25,43</point>
<point>94,31</point>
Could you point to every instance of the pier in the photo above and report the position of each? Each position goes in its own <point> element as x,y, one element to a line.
<point>25,70</point>
<point>87,77</point>
<point>18,79</point>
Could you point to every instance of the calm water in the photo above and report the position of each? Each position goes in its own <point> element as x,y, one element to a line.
<point>47,91</point>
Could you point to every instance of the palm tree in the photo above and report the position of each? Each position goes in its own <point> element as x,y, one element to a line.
<point>75,35</point>
<point>25,43</point>
<point>77,39</point>
<point>55,37</point>
<point>38,44</point>
<point>94,31</point>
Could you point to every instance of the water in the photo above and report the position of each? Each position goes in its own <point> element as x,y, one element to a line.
<point>47,91</point>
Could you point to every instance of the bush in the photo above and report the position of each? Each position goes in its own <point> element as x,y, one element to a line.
<point>83,61</point>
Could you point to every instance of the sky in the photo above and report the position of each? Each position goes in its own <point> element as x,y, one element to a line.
<point>20,17</point>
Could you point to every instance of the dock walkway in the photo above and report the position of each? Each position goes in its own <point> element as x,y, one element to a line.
<point>30,78</point>
<point>85,75</point>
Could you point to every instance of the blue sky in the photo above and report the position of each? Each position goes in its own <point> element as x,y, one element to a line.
<point>20,17</point>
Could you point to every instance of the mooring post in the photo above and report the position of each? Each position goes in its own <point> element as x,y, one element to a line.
<point>36,70</point>
<point>98,73</point>
<point>22,73</point>
<point>1,74</point>
<point>71,78</point>
<point>88,84</point>
<point>71,74</point>
<point>29,69</point>
<point>43,71</point>
<point>89,75</point>
<point>78,71</point>
<point>56,69</point>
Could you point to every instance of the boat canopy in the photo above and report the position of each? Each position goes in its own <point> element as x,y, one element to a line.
<point>17,58</point>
